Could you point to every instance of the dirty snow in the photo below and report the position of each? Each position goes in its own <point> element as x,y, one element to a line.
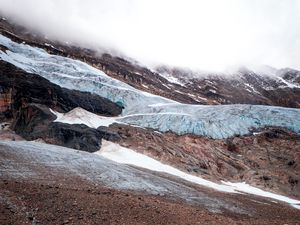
<point>44,163</point>
<point>81,116</point>
<point>124,155</point>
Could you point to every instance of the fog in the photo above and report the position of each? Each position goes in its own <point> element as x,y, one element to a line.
<point>205,35</point>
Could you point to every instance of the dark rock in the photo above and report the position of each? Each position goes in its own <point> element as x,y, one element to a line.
<point>31,120</point>
<point>76,136</point>
<point>36,122</point>
<point>291,163</point>
<point>109,135</point>
<point>230,146</point>
<point>18,88</point>
<point>3,48</point>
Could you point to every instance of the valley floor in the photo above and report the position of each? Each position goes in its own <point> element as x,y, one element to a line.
<point>32,202</point>
<point>46,184</point>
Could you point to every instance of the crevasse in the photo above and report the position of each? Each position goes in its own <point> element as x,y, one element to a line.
<point>148,110</point>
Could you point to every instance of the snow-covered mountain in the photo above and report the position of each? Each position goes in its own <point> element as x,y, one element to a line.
<point>263,86</point>
<point>148,110</point>
<point>212,130</point>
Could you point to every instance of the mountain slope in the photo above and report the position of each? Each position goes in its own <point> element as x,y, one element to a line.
<point>242,86</point>
<point>144,109</point>
<point>69,96</point>
<point>64,177</point>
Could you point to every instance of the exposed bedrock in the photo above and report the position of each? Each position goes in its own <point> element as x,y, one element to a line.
<point>18,88</point>
<point>269,159</point>
<point>36,122</point>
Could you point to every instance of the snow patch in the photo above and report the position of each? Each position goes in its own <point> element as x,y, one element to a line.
<point>252,89</point>
<point>246,188</point>
<point>49,45</point>
<point>124,155</point>
<point>81,116</point>
<point>288,84</point>
<point>171,79</point>
<point>4,126</point>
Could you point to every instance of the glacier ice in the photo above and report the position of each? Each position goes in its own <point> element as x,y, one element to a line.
<point>148,110</point>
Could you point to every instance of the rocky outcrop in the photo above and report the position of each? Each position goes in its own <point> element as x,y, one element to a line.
<point>18,88</point>
<point>35,122</point>
<point>269,159</point>
<point>5,103</point>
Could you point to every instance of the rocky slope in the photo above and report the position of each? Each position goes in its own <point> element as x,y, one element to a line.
<point>70,96</point>
<point>266,87</point>
<point>268,159</point>
<point>19,88</point>
<point>36,122</point>
<point>25,101</point>
<point>49,184</point>
<point>144,109</point>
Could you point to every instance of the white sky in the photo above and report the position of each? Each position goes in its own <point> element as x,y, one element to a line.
<point>206,35</point>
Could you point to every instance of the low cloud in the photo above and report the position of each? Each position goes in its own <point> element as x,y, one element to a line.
<point>205,35</point>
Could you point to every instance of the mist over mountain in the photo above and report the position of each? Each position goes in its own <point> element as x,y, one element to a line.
<point>148,112</point>
<point>204,35</point>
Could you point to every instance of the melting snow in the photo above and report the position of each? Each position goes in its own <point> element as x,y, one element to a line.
<point>81,116</point>
<point>49,45</point>
<point>252,89</point>
<point>171,79</point>
<point>124,155</point>
<point>288,84</point>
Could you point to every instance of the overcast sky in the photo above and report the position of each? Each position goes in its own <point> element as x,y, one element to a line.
<point>205,35</point>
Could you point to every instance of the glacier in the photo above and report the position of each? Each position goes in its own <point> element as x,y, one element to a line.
<point>144,109</point>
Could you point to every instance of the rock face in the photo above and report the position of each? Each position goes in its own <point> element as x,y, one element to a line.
<point>269,159</point>
<point>18,88</point>
<point>36,122</point>
<point>25,100</point>
<point>5,103</point>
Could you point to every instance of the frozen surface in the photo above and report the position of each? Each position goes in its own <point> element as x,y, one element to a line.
<point>246,188</point>
<point>144,109</point>
<point>44,163</point>
<point>215,121</point>
<point>74,74</point>
<point>81,116</point>
<point>171,78</point>
<point>120,154</point>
